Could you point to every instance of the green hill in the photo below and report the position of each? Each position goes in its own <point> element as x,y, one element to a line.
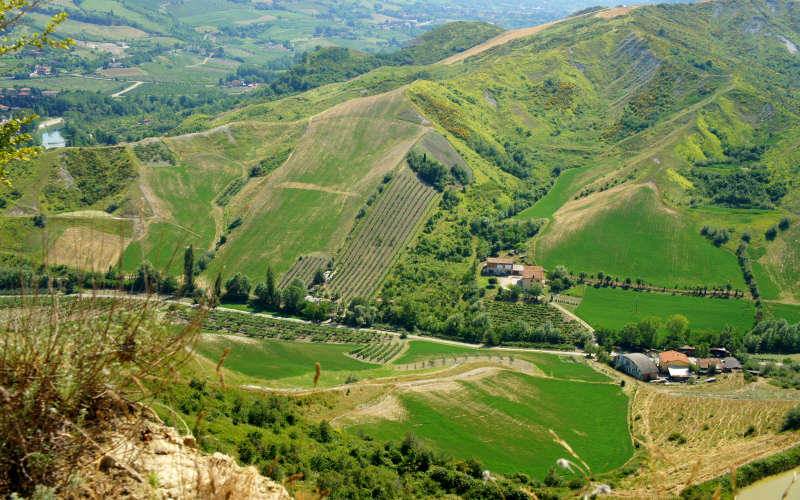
<point>620,142</point>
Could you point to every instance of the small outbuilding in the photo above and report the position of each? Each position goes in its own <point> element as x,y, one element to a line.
<point>636,365</point>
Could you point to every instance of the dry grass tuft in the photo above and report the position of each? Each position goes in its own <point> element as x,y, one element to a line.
<point>72,363</point>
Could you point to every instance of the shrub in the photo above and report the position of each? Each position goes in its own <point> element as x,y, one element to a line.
<point>783,225</point>
<point>791,422</point>
<point>771,233</point>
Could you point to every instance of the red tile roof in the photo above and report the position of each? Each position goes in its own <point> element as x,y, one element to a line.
<point>668,357</point>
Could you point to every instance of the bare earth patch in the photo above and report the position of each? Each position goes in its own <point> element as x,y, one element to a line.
<point>86,248</point>
<point>262,19</point>
<point>389,408</point>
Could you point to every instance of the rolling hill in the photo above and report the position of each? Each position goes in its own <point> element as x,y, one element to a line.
<point>623,132</point>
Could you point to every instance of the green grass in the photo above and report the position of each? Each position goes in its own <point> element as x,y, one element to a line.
<point>559,194</point>
<point>273,361</point>
<point>421,350</point>
<point>504,420</point>
<point>766,287</point>
<point>637,238</point>
<point>789,312</point>
<point>566,367</point>
<point>613,308</point>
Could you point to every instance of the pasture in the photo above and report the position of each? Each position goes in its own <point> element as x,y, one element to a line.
<point>615,307</point>
<point>503,420</point>
<point>276,363</point>
<point>789,312</point>
<point>627,232</point>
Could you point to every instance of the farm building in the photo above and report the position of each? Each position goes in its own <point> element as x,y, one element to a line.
<point>678,373</point>
<point>499,266</point>
<point>731,364</point>
<point>669,359</point>
<point>719,352</point>
<point>704,364</point>
<point>636,365</point>
<point>531,275</point>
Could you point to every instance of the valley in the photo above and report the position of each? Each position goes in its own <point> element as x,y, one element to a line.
<point>427,261</point>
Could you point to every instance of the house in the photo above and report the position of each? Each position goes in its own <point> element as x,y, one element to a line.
<point>499,266</point>
<point>687,350</point>
<point>531,275</point>
<point>636,365</point>
<point>50,93</point>
<point>704,364</point>
<point>673,358</point>
<point>731,364</point>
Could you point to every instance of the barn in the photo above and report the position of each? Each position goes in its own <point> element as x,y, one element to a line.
<point>636,365</point>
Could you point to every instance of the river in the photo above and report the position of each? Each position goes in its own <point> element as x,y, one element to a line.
<point>772,488</point>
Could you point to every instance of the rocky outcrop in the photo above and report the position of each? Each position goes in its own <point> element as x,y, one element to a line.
<point>145,460</point>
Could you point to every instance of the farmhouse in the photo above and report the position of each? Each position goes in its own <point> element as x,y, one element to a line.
<point>531,275</point>
<point>499,266</point>
<point>673,359</point>
<point>636,365</point>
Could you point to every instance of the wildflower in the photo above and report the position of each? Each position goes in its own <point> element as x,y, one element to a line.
<point>487,476</point>
<point>599,489</point>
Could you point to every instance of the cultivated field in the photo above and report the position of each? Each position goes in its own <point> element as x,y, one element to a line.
<point>627,232</point>
<point>272,361</point>
<point>615,307</point>
<point>381,234</point>
<point>304,269</point>
<point>503,420</point>
<point>503,313</point>
<point>337,164</point>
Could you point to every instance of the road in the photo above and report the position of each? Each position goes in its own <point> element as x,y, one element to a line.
<point>127,89</point>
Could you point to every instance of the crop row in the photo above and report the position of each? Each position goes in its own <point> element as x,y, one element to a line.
<point>378,352</point>
<point>503,313</point>
<point>262,326</point>
<point>304,270</point>
<point>381,235</point>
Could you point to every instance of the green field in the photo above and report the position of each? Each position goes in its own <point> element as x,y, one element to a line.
<point>614,308</point>
<point>559,194</point>
<point>422,350</point>
<point>630,234</point>
<point>274,361</point>
<point>566,367</point>
<point>504,421</point>
<point>789,312</point>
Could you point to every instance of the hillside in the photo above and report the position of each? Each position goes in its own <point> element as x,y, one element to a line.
<point>619,142</point>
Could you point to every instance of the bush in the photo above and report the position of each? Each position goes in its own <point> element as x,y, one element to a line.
<point>784,223</point>
<point>791,422</point>
<point>771,233</point>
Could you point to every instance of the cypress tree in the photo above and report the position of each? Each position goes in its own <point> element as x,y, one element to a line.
<point>188,270</point>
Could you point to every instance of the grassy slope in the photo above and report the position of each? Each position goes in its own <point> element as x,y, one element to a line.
<point>634,236</point>
<point>486,419</point>
<point>613,308</point>
<point>276,363</point>
<point>340,160</point>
